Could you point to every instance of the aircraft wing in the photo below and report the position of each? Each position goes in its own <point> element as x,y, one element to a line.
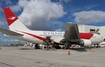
<point>10,33</point>
<point>72,32</point>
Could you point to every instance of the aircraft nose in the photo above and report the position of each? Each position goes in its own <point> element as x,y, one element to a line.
<point>101,37</point>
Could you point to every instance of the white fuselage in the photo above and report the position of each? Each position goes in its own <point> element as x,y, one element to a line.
<point>37,36</point>
<point>19,31</point>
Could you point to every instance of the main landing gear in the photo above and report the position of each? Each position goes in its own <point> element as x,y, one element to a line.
<point>36,46</point>
<point>47,42</point>
<point>67,45</point>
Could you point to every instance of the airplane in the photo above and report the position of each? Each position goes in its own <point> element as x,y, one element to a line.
<point>19,31</point>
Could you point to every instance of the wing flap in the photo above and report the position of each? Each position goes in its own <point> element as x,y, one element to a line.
<point>10,33</point>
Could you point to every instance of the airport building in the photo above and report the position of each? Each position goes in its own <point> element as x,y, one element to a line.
<point>88,29</point>
<point>93,29</point>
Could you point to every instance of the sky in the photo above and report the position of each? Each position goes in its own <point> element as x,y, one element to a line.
<point>53,14</point>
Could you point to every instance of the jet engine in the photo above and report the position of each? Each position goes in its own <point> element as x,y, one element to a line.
<point>85,42</point>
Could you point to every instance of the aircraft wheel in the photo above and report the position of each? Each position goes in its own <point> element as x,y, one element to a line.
<point>67,45</point>
<point>36,46</point>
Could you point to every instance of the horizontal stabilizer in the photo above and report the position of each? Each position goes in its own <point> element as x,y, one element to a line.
<point>10,33</point>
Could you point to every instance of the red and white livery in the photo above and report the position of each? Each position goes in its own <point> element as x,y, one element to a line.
<point>19,31</point>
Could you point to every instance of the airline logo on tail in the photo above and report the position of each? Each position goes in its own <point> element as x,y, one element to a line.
<point>11,18</point>
<point>13,21</point>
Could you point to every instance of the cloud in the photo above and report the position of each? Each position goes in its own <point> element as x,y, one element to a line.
<point>88,7</point>
<point>66,1</point>
<point>15,8</point>
<point>23,3</point>
<point>5,2</point>
<point>87,17</point>
<point>73,9</point>
<point>36,14</point>
<point>56,25</point>
<point>11,4</point>
<point>2,23</point>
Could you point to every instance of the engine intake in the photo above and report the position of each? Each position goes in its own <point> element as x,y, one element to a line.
<point>85,42</point>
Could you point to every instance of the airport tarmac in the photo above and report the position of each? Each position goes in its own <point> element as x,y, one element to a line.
<point>29,57</point>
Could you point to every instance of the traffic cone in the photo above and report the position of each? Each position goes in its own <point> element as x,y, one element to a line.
<point>68,52</point>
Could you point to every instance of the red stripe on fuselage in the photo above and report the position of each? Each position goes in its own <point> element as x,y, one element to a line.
<point>86,35</point>
<point>82,35</point>
<point>38,37</point>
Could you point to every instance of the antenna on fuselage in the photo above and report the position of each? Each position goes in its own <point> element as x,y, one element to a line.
<point>81,21</point>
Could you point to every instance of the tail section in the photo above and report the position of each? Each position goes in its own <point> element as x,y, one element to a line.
<point>13,21</point>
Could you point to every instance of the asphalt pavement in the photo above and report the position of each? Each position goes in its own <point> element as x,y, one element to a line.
<point>29,57</point>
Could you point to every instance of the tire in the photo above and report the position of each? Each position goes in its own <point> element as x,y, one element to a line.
<point>67,45</point>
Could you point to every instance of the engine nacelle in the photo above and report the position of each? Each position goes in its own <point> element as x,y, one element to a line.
<point>85,42</point>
